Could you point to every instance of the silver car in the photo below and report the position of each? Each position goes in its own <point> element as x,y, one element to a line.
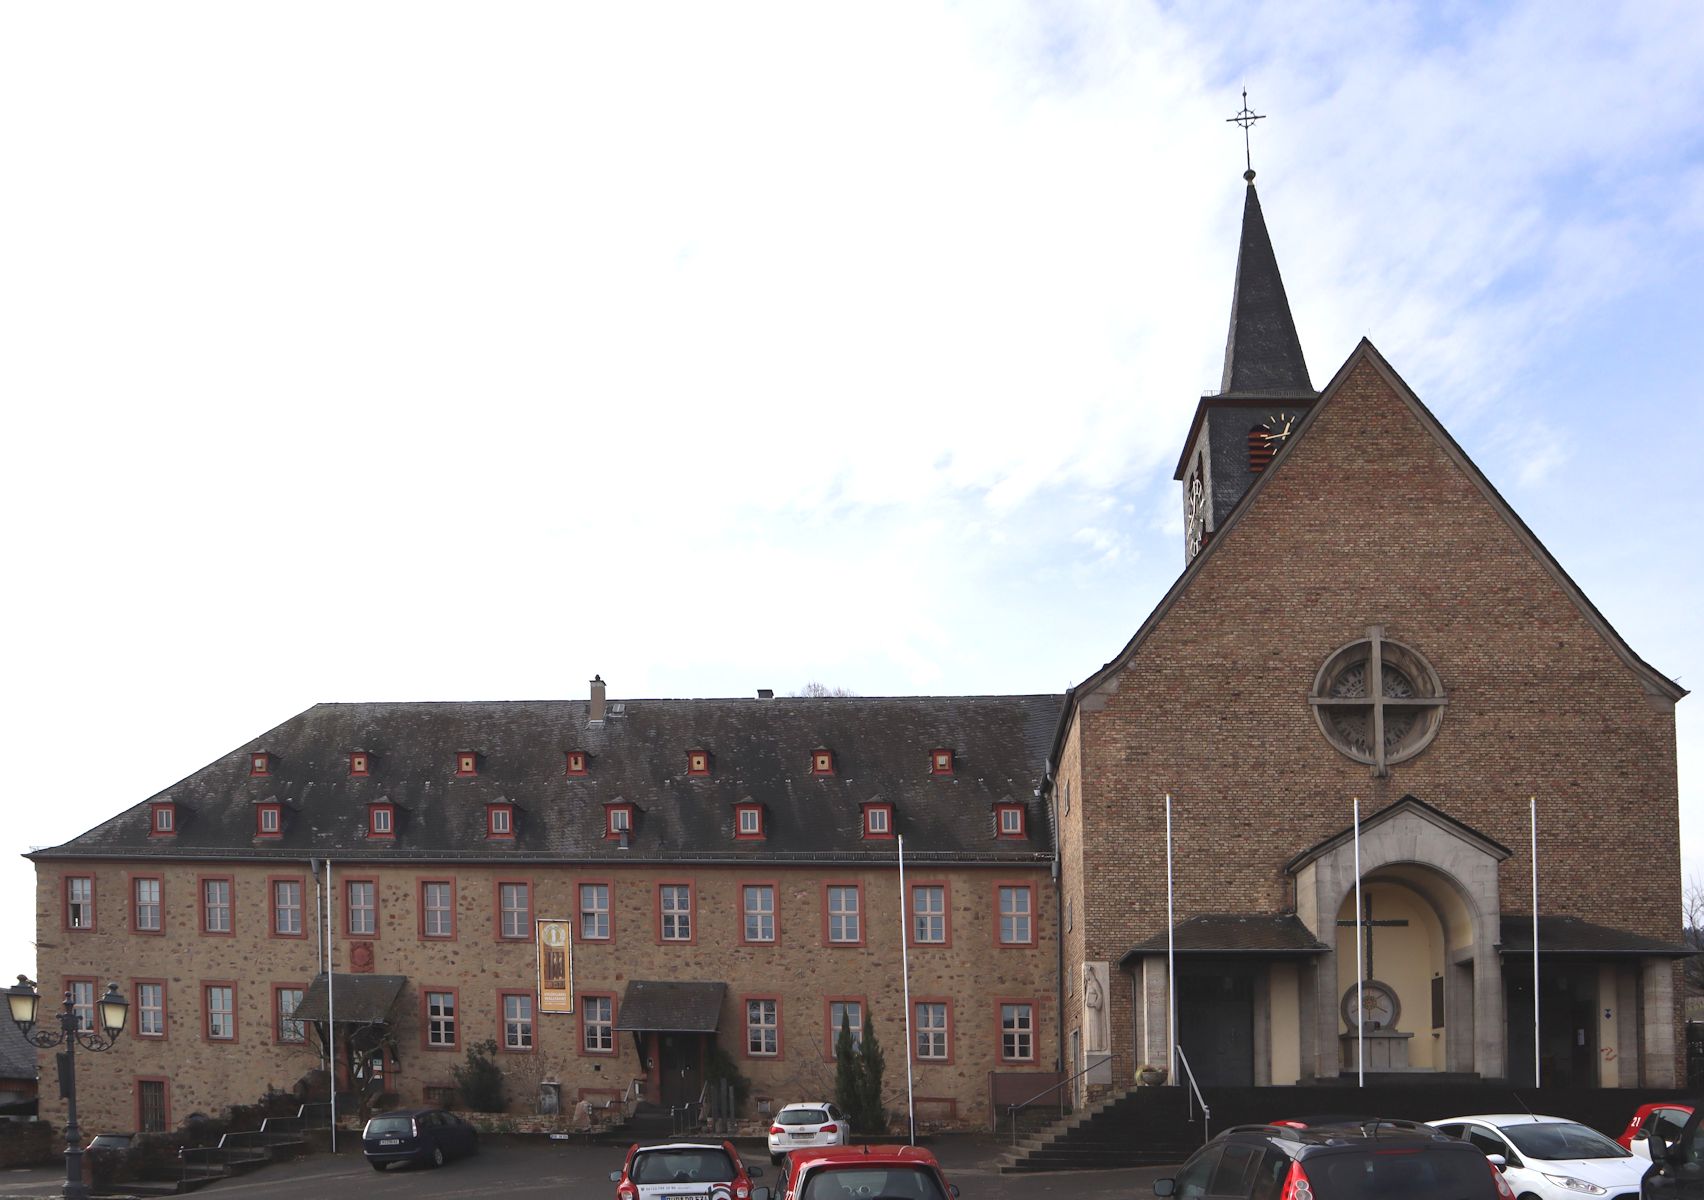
<point>810,1125</point>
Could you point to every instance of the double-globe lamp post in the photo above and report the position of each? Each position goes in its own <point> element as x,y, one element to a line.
<point>111,1010</point>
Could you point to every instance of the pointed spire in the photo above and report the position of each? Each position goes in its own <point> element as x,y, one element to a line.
<point>1263,355</point>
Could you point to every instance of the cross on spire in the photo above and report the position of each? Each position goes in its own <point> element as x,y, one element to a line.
<point>1246,118</point>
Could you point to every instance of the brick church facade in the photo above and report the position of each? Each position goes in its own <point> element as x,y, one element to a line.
<point>614,890</point>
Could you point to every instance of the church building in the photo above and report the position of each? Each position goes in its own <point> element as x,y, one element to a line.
<point>632,897</point>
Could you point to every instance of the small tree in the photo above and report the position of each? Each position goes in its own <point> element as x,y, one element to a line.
<point>848,1082</point>
<point>480,1080</point>
<point>870,1116</point>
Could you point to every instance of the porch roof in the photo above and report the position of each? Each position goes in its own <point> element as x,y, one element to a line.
<point>353,999</point>
<point>1261,935</point>
<point>670,1006</point>
<point>1582,939</point>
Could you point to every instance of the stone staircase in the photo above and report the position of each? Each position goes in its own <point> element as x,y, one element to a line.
<point>1143,1127</point>
<point>277,1140</point>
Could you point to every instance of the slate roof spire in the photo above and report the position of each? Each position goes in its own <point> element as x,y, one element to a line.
<point>1263,355</point>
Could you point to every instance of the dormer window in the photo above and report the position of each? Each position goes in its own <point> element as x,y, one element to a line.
<point>500,820</point>
<point>269,820</point>
<point>1009,821</point>
<point>822,762</point>
<point>162,820</point>
<point>576,762</point>
<point>260,763</point>
<point>467,763</point>
<point>360,765</point>
<point>748,821</point>
<point>940,762</point>
<point>381,820</point>
<point>618,820</point>
<point>878,820</point>
<point>698,762</point>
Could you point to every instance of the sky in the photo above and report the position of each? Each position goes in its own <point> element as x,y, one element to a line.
<point>412,351</point>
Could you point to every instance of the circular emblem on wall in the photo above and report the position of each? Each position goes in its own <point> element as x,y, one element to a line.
<point>1379,1007</point>
<point>1378,701</point>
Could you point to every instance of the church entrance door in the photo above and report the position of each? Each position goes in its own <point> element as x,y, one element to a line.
<point>1215,1022</point>
<point>1567,1023</point>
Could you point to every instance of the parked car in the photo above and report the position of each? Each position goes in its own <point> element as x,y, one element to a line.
<point>1677,1167</point>
<point>110,1141</point>
<point>421,1135</point>
<point>686,1171</point>
<point>1548,1157</point>
<point>1371,1160</point>
<point>809,1124</point>
<point>1667,1117</point>
<point>837,1172</point>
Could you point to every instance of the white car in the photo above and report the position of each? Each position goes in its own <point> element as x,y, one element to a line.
<point>813,1124</point>
<point>1549,1157</point>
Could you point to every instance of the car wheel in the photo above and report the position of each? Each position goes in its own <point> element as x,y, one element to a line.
<point>437,1156</point>
<point>377,1166</point>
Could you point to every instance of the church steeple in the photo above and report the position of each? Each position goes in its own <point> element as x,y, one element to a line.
<point>1263,355</point>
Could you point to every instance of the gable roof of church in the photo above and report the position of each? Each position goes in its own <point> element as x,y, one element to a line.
<point>1437,816</point>
<point>1655,682</point>
<point>1263,354</point>
<point>760,752</point>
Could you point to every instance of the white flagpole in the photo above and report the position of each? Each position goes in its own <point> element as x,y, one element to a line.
<point>1360,1008</point>
<point>1171,958</point>
<point>330,1012</point>
<point>905,977</point>
<point>1533,803</point>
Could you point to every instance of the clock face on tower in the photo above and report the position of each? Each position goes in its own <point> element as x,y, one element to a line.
<point>1194,512</point>
<point>1280,425</point>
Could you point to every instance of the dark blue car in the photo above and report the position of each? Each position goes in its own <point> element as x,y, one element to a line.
<point>421,1135</point>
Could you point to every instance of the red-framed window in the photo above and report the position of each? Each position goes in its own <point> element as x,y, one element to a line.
<point>286,895</point>
<point>162,819</point>
<point>219,1011</point>
<point>286,999</point>
<point>760,916</point>
<point>438,1019</point>
<point>1017,1030</point>
<point>932,1029</point>
<point>147,904</point>
<point>597,918</point>
<point>618,820</point>
<point>843,914</point>
<point>500,820</point>
<point>674,913</point>
<point>941,762</point>
<point>268,820</point>
<point>851,1009</point>
<point>218,905</point>
<point>514,910</point>
<point>79,902</point>
<point>597,1023</point>
<point>1014,913</point>
<point>260,763</point>
<point>381,820</point>
<point>576,762</point>
<point>928,905</point>
<point>360,764</point>
<point>748,822</point>
<point>515,1009</point>
<point>822,762</point>
<point>153,1104</point>
<point>1010,821</point>
<point>878,820</point>
<point>698,762</point>
<point>149,997</point>
<point>438,909</point>
<point>83,991</point>
<point>361,908</point>
<point>467,763</point>
<point>762,1026</point>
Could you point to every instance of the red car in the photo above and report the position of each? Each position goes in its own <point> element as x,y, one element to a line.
<point>835,1172</point>
<point>1667,1117</point>
<point>685,1171</point>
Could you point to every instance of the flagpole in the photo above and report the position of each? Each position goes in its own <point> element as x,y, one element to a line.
<point>330,1012</point>
<point>1171,957</point>
<point>905,978</point>
<point>1532,802</point>
<point>1360,1007</point>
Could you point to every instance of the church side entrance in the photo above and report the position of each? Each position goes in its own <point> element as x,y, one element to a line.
<point>1215,1021</point>
<point>1568,1025</point>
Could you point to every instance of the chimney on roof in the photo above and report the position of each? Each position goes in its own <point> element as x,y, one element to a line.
<point>766,693</point>
<point>595,711</point>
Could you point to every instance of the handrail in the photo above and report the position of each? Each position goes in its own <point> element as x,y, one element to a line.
<point>1206,1113</point>
<point>1012,1109</point>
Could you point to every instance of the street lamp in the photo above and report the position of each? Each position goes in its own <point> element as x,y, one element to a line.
<point>112,1010</point>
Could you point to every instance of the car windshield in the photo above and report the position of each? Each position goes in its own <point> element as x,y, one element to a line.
<point>390,1126</point>
<point>1405,1174</point>
<point>802,1116</point>
<point>682,1166</point>
<point>1561,1139</point>
<point>872,1183</point>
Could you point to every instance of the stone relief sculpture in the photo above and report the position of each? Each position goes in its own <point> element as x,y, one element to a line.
<point>1095,1027</point>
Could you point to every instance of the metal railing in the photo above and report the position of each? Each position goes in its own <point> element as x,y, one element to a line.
<point>1013,1109</point>
<point>1195,1096</point>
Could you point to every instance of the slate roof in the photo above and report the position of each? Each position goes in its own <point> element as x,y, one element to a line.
<point>1263,935</point>
<point>17,1057</point>
<point>670,1006</point>
<point>1572,936</point>
<point>760,750</point>
<point>354,999</point>
<point>1263,354</point>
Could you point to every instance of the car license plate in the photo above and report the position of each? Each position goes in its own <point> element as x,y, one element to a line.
<point>801,1137</point>
<point>390,1141</point>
